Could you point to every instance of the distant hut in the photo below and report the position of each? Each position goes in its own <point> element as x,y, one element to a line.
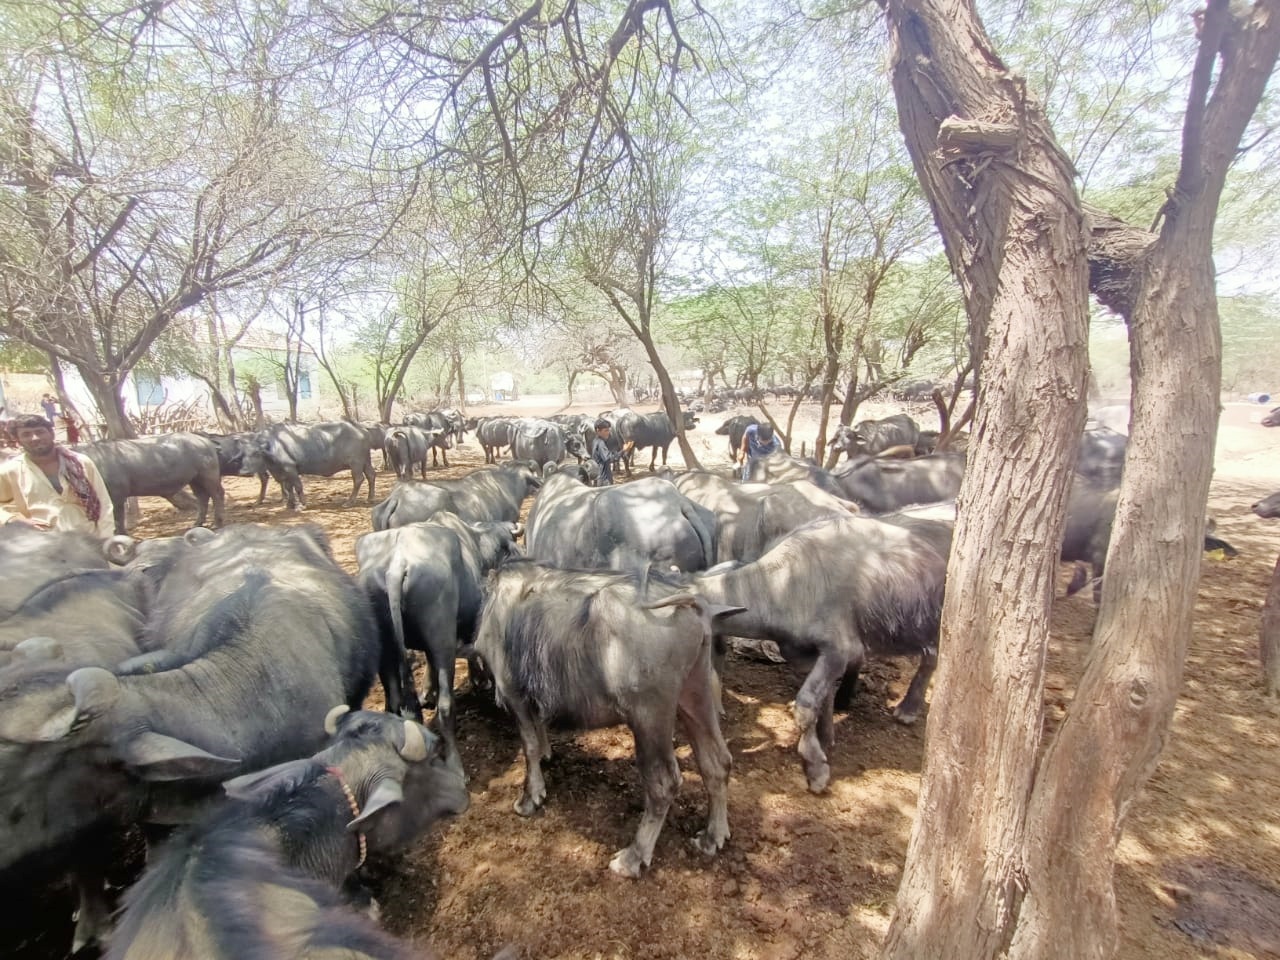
<point>503,386</point>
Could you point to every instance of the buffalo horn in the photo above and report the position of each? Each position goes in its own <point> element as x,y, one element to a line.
<point>120,549</point>
<point>331,718</point>
<point>517,530</point>
<point>414,748</point>
<point>197,535</point>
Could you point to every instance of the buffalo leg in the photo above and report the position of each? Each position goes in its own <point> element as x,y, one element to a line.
<point>441,657</point>
<point>848,686</point>
<point>263,480</point>
<point>535,788</point>
<point>370,476</point>
<point>813,706</point>
<point>699,714</point>
<point>93,918</point>
<point>660,774</point>
<point>909,709</point>
<point>357,478</point>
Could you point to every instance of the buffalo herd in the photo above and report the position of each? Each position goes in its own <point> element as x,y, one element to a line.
<point>206,691</point>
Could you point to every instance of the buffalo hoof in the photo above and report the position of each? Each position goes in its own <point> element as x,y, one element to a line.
<point>907,716</point>
<point>528,806</point>
<point>708,844</point>
<point>627,863</point>
<point>819,775</point>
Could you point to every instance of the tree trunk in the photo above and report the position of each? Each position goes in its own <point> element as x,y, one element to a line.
<point>60,387</point>
<point>1113,733</point>
<point>669,402</point>
<point>1269,638</point>
<point>1004,199</point>
<point>110,404</point>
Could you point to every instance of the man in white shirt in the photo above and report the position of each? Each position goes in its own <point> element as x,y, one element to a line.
<point>50,487</point>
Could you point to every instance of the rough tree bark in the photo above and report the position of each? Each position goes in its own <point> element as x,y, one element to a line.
<point>1004,199</point>
<point>1269,637</point>
<point>1117,724</point>
<point>1032,877</point>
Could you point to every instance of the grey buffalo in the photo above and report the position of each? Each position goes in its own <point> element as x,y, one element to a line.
<point>1091,512</point>
<point>876,486</point>
<point>89,618</point>
<point>650,430</point>
<point>405,446</point>
<point>490,493</point>
<point>253,636</point>
<point>1101,458</point>
<point>32,559</point>
<point>232,450</point>
<point>494,433</point>
<point>160,467</point>
<point>877,436</point>
<point>830,594</point>
<point>315,449</point>
<point>588,649</point>
<point>445,426</point>
<point>261,875</point>
<point>734,428</point>
<point>1269,507</point>
<point>627,528</point>
<point>751,516</point>
<point>538,441</point>
<point>425,582</point>
<point>579,432</point>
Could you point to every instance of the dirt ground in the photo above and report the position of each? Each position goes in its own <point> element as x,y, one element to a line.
<point>815,876</point>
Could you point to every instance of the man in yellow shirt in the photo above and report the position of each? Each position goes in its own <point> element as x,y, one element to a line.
<point>50,487</point>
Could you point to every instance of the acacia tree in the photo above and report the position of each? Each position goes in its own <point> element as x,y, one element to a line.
<point>1009,856</point>
<point>135,186</point>
<point>624,242</point>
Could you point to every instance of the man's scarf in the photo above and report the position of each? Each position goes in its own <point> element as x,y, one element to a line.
<point>69,465</point>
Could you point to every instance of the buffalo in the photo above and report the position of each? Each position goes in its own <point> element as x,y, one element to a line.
<point>830,594</point>
<point>1269,507</point>
<point>252,636</point>
<point>538,441</point>
<point>734,428</point>
<point>260,876</point>
<point>160,467</point>
<point>751,516</point>
<point>877,436</point>
<point>425,582</point>
<point>405,446</point>
<point>494,433</point>
<point>649,430</point>
<point>1272,419</point>
<point>315,449</point>
<point>490,493</point>
<point>628,527</point>
<point>590,649</point>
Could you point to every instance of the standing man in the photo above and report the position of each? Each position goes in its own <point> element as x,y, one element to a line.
<point>602,456</point>
<point>758,441</point>
<point>50,407</point>
<point>50,487</point>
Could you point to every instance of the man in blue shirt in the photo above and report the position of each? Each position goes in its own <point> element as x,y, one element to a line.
<point>758,440</point>
<point>603,455</point>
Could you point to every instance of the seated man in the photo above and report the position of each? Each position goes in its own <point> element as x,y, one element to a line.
<point>758,441</point>
<point>50,487</point>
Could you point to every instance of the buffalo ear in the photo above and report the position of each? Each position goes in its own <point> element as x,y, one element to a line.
<point>253,786</point>
<point>387,794</point>
<point>154,756</point>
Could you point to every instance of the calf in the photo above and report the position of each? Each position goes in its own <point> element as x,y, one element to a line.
<point>590,649</point>
<point>425,582</point>
<point>259,877</point>
<point>494,433</point>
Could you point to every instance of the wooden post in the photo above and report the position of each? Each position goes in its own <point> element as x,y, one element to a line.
<point>1269,637</point>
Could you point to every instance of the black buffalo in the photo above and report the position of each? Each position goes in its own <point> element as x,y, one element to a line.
<point>734,428</point>
<point>160,467</point>
<point>649,430</point>
<point>315,449</point>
